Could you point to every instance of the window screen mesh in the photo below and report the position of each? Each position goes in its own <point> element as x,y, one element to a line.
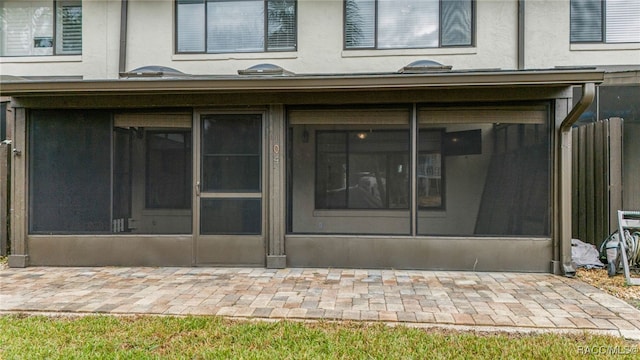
<point>70,171</point>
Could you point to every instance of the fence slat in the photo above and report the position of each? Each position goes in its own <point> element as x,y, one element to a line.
<point>582,185</point>
<point>589,183</point>
<point>615,170</point>
<point>600,233</point>
<point>4,199</point>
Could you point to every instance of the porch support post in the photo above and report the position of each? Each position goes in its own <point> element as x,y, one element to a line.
<point>19,254</point>
<point>276,190</point>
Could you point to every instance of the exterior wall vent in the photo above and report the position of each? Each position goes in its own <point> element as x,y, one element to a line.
<point>264,69</point>
<point>424,66</point>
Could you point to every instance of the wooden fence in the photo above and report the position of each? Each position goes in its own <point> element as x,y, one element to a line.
<point>597,179</point>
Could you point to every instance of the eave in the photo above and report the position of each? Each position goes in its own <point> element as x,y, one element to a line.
<point>302,83</point>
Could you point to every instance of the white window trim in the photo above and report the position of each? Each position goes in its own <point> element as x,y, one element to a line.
<point>604,46</point>
<point>409,52</point>
<point>40,59</point>
<point>235,56</point>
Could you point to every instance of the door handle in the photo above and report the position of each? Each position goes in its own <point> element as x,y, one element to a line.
<point>197,188</point>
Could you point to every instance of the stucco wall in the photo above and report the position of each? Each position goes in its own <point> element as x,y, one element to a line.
<point>150,41</point>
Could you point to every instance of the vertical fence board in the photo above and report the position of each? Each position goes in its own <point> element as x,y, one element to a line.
<point>631,176</point>
<point>599,186</point>
<point>575,218</point>
<point>615,170</point>
<point>589,183</point>
<point>4,199</point>
<point>582,203</point>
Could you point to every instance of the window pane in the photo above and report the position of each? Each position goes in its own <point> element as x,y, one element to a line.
<point>152,172</point>
<point>239,173</point>
<point>619,101</point>
<point>408,23</point>
<point>331,182</point>
<point>362,170</point>
<point>623,21</point>
<point>360,17</point>
<point>231,153</point>
<point>69,27</point>
<point>232,134</point>
<point>27,28</point>
<point>190,26</point>
<point>235,26</point>
<point>495,185</point>
<point>70,172</point>
<point>430,184</point>
<point>586,20</point>
<point>122,179</point>
<point>282,25</point>
<point>456,22</point>
<point>168,170</point>
<point>230,216</point>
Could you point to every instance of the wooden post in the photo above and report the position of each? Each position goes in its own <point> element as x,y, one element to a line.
<point>276,258</point>
<point>18,257</point>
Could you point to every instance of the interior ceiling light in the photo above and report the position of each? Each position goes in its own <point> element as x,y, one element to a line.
<point>264,69</point>
<point>424,66</point>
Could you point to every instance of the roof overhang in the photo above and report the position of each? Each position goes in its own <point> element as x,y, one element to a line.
<point>301,83</point>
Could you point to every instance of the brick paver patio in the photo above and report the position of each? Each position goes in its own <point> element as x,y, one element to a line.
<point>464,300</point>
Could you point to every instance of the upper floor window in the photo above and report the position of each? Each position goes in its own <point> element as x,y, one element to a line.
<point>605,21</point>
<point>398,24</point>
<point>225,26</point>
<point>31,28</point>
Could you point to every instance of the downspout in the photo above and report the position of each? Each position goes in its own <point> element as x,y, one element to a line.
<point>588,94</point>
<point>124,7</point>
<point>521,19</point>
<point>563,235</point>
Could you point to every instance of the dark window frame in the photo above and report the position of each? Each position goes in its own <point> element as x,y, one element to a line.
<point>266,30</point>
<point>472,42</point>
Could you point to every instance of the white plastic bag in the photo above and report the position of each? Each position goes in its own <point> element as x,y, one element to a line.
<point>585,255</point>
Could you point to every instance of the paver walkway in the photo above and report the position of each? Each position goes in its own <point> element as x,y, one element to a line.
<point>466,300</point>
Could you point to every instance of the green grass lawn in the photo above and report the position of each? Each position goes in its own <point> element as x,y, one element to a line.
<point>148,337</point>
